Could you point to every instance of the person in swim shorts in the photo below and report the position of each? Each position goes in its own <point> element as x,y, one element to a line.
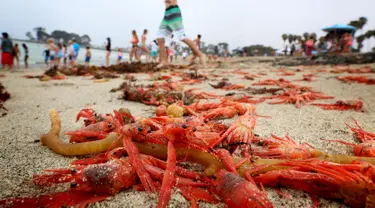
<point>172,23</point>
<point>154,51</point>
<point>119,56</point>
<point>88,56</point>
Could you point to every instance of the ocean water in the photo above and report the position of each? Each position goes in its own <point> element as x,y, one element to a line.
<point>36,57</point>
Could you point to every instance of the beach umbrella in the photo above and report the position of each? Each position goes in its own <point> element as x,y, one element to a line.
<point>340,27</point>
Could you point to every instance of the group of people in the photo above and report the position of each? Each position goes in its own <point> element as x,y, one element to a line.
<point>53,54</point>
<point>11,53</point>
<point>332,43</point>
<point>171,24</point>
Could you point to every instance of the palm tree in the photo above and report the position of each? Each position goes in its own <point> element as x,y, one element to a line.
<point>362,21</point>
<point>356,24</point>
<point>284,37</point>
<point>360,40</point>
<point>299,38</point>
<point>290,38</point>
<point>313,35</point>
<point>295,38</point>
<point>306,35</point>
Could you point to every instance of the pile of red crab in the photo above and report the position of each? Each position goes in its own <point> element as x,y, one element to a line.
<point>4,96</point>
<point>147,154</point>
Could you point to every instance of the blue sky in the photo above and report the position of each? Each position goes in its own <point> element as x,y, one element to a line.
<point>238,22</point>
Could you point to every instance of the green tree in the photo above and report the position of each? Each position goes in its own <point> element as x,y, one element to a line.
<point>30,36</point>
<point>362,21</point>
<point>313,35</point>
<point>284,37</point>
<point>290,38</point>
<point>360,40</point>
<point>86,40</point>
<point>41,34</point>
<point>306,36</point>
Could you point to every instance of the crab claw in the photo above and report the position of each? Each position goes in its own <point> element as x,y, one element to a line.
<point>85,113</point>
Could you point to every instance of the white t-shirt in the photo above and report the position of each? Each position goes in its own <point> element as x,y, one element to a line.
<point>154,47</point>
<point>184,54</point>
<point>71,50</point>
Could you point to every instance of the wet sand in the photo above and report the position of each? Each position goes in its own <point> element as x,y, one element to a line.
<point>27,119</point>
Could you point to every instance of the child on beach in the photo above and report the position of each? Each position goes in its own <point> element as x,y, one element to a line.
<point>144,46</point>
<point>172,23</point>
<point>154,51</point>
<point>119,56</point>
<point>134,50</point>
<point>88,56</point>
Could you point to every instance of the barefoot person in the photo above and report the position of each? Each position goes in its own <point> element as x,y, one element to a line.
<point>144,45</point>
<point>172,23</point>
<point>53,51</point>
<point>197,43</point>
<point>108,53</point>
<point>88,56</point>
<point>134,50</point>
<point>16,55</point>
<point>26,57</point>
<point>154,51</point>
<point>6,52</point>
<point>119,56</point>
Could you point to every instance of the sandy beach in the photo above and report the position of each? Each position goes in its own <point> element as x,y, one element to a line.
<point>21,155</point>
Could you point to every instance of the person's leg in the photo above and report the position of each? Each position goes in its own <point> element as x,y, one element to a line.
<point>195,50</point>
<point>138,54</point>
<point>131,54</point>
<point>163,53</point>
<point>145,49</point>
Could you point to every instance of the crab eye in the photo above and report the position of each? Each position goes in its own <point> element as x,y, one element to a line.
<point>140,129</point>
<point>110,125</point>
<point>74,171</point>
<point>149,131</point>
<point>73,185</point>
<point>184,126</point>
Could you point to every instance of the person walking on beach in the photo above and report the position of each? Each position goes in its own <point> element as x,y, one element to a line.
<point>16,55</point>
<point>53,50</point>
<point>71,53</point>
<point>65,54</point>
<point>154,51</point>
<point>76,50</point>
<point>310,45</point>
<point>134,50</point>
<point>144,45</point>
<point>119,56</point>
<point>26,56</point>
<point>6,52</point>
<point>171,50</point>
<point>108,53</point>
<point>197,43</point>
<point>88,56</point>
<point>60,53</point>
<point>172,22</point>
